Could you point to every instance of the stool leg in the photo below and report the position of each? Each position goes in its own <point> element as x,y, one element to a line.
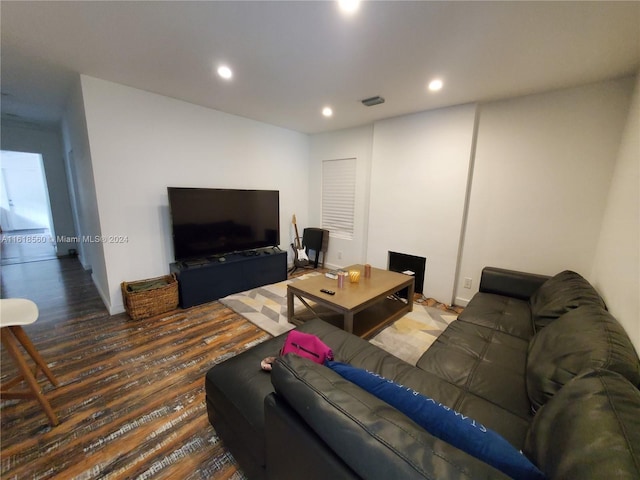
<point>9,341</point>
<point>31,350</point>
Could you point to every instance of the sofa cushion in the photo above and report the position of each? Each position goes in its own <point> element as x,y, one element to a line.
<point>563,292</point>
<point>589,429</point>
<point>351,422</point>
<point>498,312</point>
<point>587,337</point>
<point>485,362</point>
<point>443,422</point>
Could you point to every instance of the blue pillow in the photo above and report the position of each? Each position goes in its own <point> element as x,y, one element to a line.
<point>441,421</point>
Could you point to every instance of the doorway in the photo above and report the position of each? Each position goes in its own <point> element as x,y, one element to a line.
<point>26,227</point>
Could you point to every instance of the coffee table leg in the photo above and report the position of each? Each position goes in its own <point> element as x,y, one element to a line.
<point>410,294</point>
<point>348,322</point>
<point>289,306</point>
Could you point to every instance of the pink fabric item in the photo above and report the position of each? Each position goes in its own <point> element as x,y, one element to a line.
<point>306,345</point>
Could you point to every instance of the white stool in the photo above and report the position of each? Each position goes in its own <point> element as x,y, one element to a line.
<point>15,312</point>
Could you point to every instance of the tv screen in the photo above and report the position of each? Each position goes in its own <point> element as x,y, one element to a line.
<point>211,221</point>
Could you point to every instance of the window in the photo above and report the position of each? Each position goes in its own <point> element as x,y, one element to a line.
<point>338,196</point>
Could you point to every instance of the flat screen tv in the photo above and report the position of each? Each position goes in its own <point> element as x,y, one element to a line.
<point>208,222</point>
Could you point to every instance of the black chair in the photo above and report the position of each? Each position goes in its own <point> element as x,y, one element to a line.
<point>316,240</point>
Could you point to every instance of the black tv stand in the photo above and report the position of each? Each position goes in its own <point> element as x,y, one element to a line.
<point>196,262</point>
<point>205,280</point>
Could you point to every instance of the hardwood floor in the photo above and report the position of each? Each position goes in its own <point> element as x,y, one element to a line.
<point>131,393</point>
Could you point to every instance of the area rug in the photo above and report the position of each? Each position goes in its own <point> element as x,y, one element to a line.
<point>266,306</point>
<point>407,338</point>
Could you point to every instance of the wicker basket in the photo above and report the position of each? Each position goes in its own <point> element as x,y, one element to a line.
<point>147,303</point>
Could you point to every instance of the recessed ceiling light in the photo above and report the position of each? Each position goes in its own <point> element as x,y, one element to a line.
<point>327,111</point>
<point>435,85</point>
<point>225,72</point>
<point>349,6</point>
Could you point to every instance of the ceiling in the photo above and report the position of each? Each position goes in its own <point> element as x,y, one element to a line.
<point>292,58</point>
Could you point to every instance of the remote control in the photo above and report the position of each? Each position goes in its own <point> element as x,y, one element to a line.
<point>328,292</point>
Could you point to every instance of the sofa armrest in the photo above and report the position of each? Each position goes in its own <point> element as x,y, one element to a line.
<point>510,283</point>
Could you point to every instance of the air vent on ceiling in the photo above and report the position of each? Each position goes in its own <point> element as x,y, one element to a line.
<point>370,102</point>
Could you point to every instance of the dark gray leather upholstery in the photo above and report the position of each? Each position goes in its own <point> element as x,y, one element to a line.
<point>489,365</point>
<point>488,368</point>
<point>308,453</point>
<point>587,337</point>
<point>589,429</point>
<point>235,390</point>
<point>498,312</point>
<point>375,439</point>
<point>561,293</point>
<point>510,283</point>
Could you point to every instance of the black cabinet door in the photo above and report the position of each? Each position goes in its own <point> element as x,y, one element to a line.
<point>208,283</point>
<point>265,270</point>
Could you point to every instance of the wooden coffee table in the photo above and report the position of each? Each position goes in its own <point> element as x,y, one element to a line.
<point>361,308</point>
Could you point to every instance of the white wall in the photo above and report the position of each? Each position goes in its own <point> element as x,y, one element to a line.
<point>350,143</point>
<point>616,268</point>
<point>140,143</point>
<point>412,176</point>
<point>46,141</point>
<point>541,178</point>
<point>83,189</point>
<point>418,186</point>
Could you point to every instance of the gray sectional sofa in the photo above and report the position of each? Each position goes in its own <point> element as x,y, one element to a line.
<point>538,360</point>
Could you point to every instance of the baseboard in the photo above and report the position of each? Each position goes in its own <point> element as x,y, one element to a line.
<point>117,307</point>
<point>331,266</point>
<point>105,298</point>
<point>461,302</point>
<point>85,265</point>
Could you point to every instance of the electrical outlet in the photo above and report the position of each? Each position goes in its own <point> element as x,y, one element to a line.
<point>467,282</point>
<point>340,255</point>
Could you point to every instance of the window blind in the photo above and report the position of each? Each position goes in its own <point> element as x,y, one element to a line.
<point>338,196</point>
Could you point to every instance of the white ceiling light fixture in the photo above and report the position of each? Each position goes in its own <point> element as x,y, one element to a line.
<point>327,111</point>
<point>349,7</point>
<point>225,72</point>
<point>435,85</point>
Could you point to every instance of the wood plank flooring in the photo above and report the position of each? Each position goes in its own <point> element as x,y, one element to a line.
<point>131,394</point>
